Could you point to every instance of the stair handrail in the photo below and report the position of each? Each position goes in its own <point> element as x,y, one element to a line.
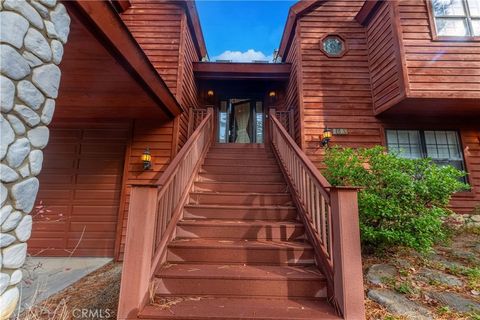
<point>154,211</point>
<point>330,215</point>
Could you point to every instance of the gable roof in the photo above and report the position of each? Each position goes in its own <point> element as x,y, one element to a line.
<point>296,11</point>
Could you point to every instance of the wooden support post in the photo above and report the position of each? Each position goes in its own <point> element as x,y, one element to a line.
<point>139,247</point>
<point>190,122</point>
<point>347,256</point>
<point>291,123</point>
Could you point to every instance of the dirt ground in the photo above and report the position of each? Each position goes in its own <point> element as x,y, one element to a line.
<point>93,297</point>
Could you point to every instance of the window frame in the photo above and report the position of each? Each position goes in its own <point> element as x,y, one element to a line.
<point>433,24</point>
<point>423,149</point>
<point>341,37</point>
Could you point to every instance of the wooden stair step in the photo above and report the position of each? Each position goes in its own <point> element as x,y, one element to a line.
<point>241,229</point>
<point>239,177</point>
<point>253,252</point>
<point>240,156</point>
<point>239,280</point>
<point>240,198</point>
<point>273,187</point>
<point>240,212</point>
<point>261,161</point>
<point>240,168</point>
<point>209,308</point>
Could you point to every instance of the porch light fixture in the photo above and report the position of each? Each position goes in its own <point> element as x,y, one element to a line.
<point>272,94</point>
<point>147,159</point>
<point>210,93</point>
<point>326,136</point>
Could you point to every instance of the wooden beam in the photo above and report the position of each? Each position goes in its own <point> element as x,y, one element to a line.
<point>107,26</point>
<point>241,71</point>
<point>121,5</point>
<point>367,11</point>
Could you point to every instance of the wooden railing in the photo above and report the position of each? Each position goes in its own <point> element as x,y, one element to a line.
<point>195,117</point>
<point>153,214</point>
<point>286,119</point>
<point>330,215</point>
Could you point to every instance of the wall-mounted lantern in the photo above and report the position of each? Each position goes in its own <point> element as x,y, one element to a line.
<point>272,94</point>
<point>210,93</point>
<point>147,159</point>
<point>326,136</point>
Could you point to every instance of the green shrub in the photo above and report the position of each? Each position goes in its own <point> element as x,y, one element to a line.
<point>402,202</point>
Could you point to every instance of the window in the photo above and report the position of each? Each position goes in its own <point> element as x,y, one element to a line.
<point>442,146</point>
<point>456,18</point>
<point>333,45</point>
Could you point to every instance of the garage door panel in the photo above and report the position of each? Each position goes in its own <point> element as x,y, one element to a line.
<point>81,186</point>
<point>106,149</point>
<point>96,195</point>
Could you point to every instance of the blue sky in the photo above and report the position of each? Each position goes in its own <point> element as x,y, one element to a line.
<point>242,30</point>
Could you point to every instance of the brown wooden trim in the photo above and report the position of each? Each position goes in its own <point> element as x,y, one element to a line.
<point>196,28</point>
<point>334,34</point>
<point>301,105</point>
<point>433,29</point>
<point>295,12</point>
<point>368,10</point>
<point>108,27</point>
<point>121,5</point>
<point>181,59</point>
<point>175,135</point>
<point>225,70</point>
<point>123,195</point>
<point>399,48</point>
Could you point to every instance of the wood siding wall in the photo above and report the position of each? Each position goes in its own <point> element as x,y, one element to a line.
<point>292,99</point>
<point>156,25</point>
<point>337,93</point>
<point>161,28</point>
<point>80,189</point>
<point>158,138</point>
<point>384,58</point>
<point>436,69</point>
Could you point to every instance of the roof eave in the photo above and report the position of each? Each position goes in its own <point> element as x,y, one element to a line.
<point>109,28</point>
<point>295,12</point>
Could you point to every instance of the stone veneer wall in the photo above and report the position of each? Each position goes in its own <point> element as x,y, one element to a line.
<point>32,35</point>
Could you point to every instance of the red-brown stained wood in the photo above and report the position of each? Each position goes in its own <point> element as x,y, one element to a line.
<point>337,92</point>
<point>81,183</point>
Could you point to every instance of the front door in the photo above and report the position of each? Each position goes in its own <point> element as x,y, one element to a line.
<point>241,121</point>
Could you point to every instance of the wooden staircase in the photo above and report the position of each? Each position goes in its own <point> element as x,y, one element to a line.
<point>239,252</point>
<point>242,232</point>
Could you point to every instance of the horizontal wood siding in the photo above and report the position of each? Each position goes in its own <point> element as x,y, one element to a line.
<point>336,91</point>
<point>156,27</point>
<point>80,187</point>
<point>436,69</point>
<point>384,63</point>
<point>158,138</point>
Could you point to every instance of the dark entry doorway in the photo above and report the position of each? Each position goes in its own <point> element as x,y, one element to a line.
<point>241,121</point>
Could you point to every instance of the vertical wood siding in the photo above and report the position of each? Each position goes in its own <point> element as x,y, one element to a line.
<point>384,63</point>
<point>443,69</point>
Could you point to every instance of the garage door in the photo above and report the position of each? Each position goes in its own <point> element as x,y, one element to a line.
<point>80,188</point>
